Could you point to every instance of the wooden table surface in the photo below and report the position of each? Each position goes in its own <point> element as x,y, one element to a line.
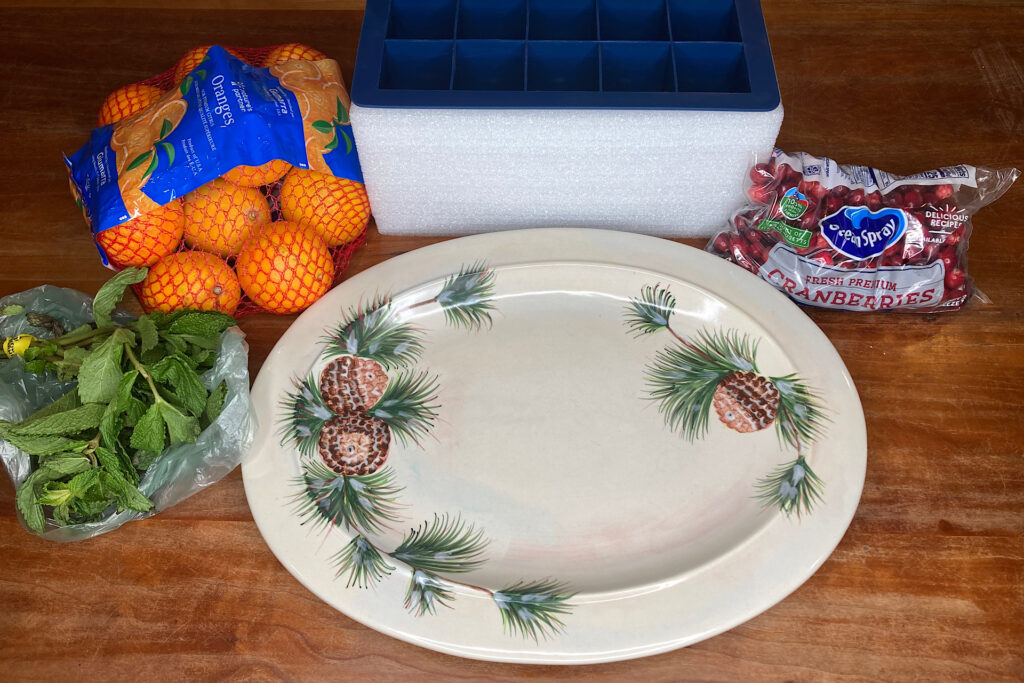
<point>928,582</point>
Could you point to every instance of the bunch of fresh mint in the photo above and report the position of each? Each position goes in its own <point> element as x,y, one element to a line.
<point>139,391</point>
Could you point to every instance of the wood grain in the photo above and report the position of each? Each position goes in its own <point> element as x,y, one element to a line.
<point>928,583</point>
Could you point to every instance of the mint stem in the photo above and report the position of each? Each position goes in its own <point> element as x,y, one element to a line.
<point>84,335</point>
<point>144,372</point>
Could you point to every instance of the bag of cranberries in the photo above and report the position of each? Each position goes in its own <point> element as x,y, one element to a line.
<point>859,239</point>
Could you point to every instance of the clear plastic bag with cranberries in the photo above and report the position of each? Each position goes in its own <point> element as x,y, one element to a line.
<point>857,238</point>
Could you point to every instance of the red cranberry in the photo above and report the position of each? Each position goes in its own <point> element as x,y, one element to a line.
<point>930,199</point>
<point>833,204</point>
<point>894,258</point>
<point>955,293</point>
<point>874,201</point>
<point>839,191</point>
<point>954,237</point>
<point>856,197</point>
<point>819,242</point>
<point>948,258</point>
<point>893,198</point>
<point>824,258</point>
<point>761,174</point>
<point>931,251</point>
<point>722,242</point>
<point>954,278</point>
<point>913,198</point>
<point>740,221</point>
<point>809,221</point>
<point>761,194</point>
<point>943,191</point>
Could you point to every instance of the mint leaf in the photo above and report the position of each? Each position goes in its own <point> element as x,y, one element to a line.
<point>62,424</point>
<point>81,484</point>
<point>148,434</point>
<point>187,386</point>
<point>143,459</point>
<point>112,462</point>
<point>128,496</point>
<point>202,323</point>
<point>111,293</point>
<point>110,425</point>
<point>31,510</point>
<point>65,464</point>
<point>55,493</point>
<point>136,409</point>
<point>182,428</point>
<point>12,309</point>
<point>43,445</point>
<point>101,371</point>
<point>215,403</point>
<point>36,367</point>
<point>147,333</point>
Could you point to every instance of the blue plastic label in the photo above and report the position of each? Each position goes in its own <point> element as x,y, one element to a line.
<point>224,114</point>
<point>861,233</point>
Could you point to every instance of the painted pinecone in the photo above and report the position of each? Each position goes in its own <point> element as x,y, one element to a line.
<point>354,445</point>
<point>352,385</point>
<point>746,402</point>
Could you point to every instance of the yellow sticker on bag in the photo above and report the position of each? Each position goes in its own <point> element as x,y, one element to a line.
<point>15,346</point>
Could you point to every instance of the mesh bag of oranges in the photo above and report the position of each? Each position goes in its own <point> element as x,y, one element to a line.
<point>233,177</point>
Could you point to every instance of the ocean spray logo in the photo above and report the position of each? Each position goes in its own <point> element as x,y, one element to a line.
<point>860,233</point>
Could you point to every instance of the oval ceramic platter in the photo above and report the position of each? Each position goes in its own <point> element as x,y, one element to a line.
<point>554,446</point>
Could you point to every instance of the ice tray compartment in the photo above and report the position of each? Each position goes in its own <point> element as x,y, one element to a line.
<point>710,54</point>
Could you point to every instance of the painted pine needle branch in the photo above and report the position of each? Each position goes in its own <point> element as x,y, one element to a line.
<point>362,562</point>
<point>801,418</point>
<point>683,377</point>
<point>364,503</point>
<point>466,297</point>
<point>305,416</point>
<point>374,332</point>
<point>425,592</point>
<point>408,406</point>
<point>445,545</point>
<point>651,312</point>
<point>531,610</point>
<point>792,488</point>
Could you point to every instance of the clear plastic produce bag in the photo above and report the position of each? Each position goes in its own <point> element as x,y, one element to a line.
<point>180,470</point>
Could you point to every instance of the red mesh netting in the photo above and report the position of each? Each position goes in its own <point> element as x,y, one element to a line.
<point>269,238</point>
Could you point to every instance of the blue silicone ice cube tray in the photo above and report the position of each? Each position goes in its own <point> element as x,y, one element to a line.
<point>602,54</point>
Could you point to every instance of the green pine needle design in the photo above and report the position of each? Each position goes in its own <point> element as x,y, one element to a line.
<point>327,499</point>
<point>446,545</point>
<point>651,312</point>
<point>531,610</point>
<point>363,562</point>
<point>793,488</point>
<point>801,418</point>
<point>466,297</point>
<point>408,406</point>
<point>306,414</point>
<point>374,332</point>
<point>683,377</point>
<point>425,592</point>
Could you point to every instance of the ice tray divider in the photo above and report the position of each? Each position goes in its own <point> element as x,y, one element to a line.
<point>455,44</point>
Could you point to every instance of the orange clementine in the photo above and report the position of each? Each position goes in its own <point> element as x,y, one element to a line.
<point>127,101</point>
<point>191,60</point>
<point>256,176</point>
<point>285,267</point>
<point>337,208</point>
<point>220,216</point>
<point>144,240</point>
<point>191,279</point>
<point>289,51</point>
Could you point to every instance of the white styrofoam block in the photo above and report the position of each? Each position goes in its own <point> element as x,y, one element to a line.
<point>672,173</point>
